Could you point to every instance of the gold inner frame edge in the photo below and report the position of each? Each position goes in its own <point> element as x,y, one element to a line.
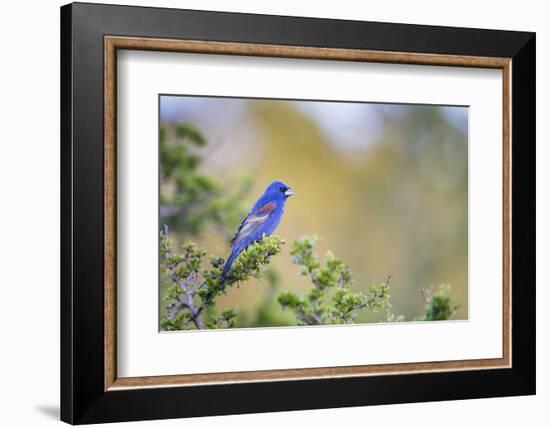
<point>113,43</point>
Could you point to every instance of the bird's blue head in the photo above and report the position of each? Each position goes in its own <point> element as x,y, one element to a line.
<point>278,190</point>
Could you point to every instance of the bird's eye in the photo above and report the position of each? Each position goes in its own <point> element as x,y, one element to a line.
<point>282,189</point>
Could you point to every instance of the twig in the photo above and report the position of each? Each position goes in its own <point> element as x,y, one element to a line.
<point>424,295</point>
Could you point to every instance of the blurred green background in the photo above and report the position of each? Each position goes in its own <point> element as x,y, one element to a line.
<point>385,186</point>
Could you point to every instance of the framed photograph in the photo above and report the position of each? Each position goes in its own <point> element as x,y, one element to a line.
<point>265,213</point>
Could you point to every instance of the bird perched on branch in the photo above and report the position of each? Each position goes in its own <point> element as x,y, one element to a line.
<point>263,219</point>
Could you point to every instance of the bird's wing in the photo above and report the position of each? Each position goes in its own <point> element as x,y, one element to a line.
<point>253,221</point>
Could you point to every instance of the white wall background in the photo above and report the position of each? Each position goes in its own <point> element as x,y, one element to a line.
<point>29,219</point>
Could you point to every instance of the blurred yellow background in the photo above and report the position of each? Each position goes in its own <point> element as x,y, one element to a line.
<point>385,186</point>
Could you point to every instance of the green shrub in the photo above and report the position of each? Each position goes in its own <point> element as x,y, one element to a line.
<point>194,285</point>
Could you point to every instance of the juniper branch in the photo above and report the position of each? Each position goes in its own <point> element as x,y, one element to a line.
<point>195,287</point>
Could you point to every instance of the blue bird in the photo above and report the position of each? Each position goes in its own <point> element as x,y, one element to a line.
<point>263,219</point>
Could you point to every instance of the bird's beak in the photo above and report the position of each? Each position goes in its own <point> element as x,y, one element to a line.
<point>289,192</point>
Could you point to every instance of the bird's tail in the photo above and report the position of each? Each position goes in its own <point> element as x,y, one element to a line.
<point>229,262</point>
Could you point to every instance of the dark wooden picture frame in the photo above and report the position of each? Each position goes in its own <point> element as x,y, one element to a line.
<point>90,36</point>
